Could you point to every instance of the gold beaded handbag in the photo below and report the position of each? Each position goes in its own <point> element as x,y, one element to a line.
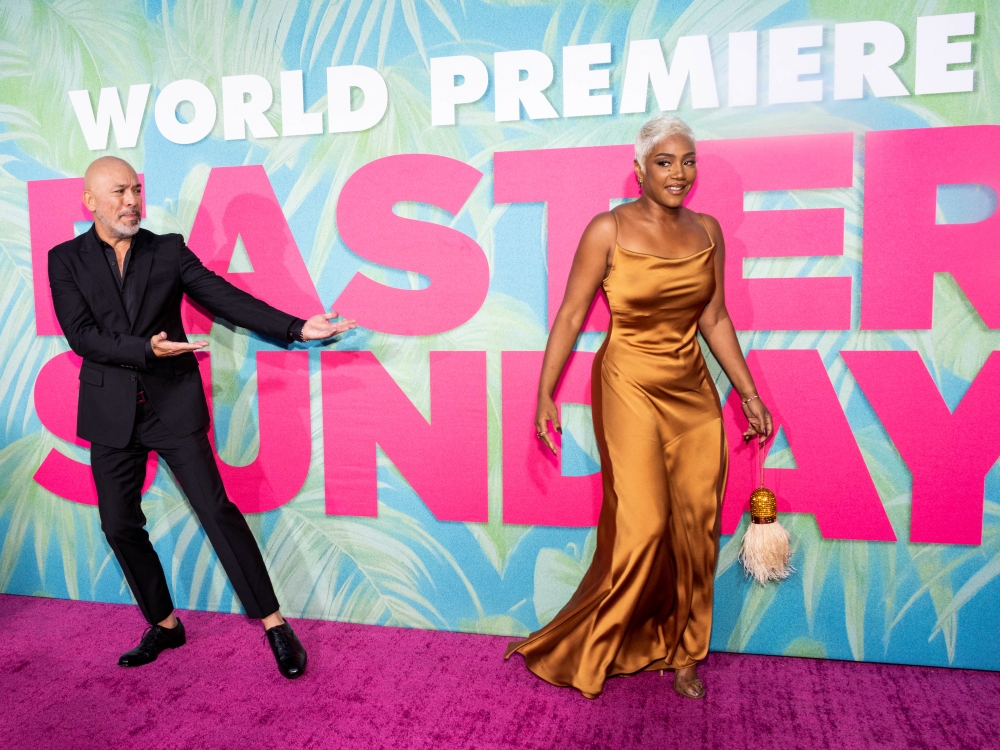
<point>766,549</point>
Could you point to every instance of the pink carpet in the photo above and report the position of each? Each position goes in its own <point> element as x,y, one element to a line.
<point>373,687</point>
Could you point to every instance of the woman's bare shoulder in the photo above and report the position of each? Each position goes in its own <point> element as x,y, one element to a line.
<point>604,222</point>
<point>602,229</point>
<point>710,220</point>
<point>714,227</point>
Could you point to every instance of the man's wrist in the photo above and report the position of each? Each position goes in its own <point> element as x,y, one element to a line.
<point>295,330</point>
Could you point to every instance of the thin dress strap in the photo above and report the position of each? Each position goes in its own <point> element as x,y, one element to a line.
<point>704,226</point>
<point>614,251</point>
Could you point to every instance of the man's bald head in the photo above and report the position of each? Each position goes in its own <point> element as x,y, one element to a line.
<point>111,191</point>
<point>104,168</point>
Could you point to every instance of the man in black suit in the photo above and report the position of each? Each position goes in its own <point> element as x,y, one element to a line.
<point>117,292</point>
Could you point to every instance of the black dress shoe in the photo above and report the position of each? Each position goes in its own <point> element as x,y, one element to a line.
<point>154,640</point>
<point>287,650</point>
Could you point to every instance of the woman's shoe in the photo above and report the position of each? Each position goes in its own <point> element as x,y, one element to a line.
<point>694,689</point>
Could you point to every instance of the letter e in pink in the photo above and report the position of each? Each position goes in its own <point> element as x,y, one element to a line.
<point>727,169</point>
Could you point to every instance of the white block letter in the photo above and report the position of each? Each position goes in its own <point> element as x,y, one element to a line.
<point>692,59</point>
<point>165,111</point>
<point>785,65</point>
<point>109,112</point>
<point>339,82</point>
<point>935,53</point>
<point>742,68</point>
<point>445,94</point>
<point>238,111</point>
<point>294,120</point>
<point>511,92</point>
<point>579,80</point>
<point>851,66</point>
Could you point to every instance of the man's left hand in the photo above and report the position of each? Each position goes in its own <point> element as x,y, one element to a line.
<point>320,327</point>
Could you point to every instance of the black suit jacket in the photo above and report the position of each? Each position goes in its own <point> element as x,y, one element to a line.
<point>90,310</point>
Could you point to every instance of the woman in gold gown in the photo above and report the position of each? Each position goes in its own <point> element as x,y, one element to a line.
<point>645,603</point>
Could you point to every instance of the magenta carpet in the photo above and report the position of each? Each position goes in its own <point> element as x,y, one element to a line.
<point>372,687</point>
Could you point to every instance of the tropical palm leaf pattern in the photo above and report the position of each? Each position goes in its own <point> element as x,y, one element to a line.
<point>900,602</point>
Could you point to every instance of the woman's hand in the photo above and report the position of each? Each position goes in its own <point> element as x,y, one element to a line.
<point>546,412</point>
<point>759,418</point>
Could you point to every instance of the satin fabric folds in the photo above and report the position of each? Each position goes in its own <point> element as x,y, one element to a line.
<point>646,600</point>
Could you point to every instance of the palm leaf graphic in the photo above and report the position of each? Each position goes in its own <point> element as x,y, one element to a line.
<point>320,27</point>
<point>81,50</point>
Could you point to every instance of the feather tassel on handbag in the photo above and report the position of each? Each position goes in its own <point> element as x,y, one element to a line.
<point>766,551</point>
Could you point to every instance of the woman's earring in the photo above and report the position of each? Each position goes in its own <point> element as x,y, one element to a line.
<point>640,186</point>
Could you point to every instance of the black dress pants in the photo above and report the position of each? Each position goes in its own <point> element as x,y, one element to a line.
<point>119,473</point>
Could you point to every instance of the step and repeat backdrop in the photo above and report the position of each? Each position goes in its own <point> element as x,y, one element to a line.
<point>427,167</point>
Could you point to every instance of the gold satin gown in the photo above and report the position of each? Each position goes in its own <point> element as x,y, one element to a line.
<point>646,601</point>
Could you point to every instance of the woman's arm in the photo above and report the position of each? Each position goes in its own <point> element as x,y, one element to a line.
<point>590,265</point>
<point>717,329</point>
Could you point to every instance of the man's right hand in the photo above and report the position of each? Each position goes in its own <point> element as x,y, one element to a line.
<point>164,348</point>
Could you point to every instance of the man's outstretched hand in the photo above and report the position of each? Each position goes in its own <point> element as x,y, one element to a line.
<point>164,348</point>
<point>321,326</point>
<point>318,327</point>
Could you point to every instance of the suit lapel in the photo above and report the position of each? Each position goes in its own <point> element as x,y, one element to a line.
<point>141,261</point>
<point>97,264</point>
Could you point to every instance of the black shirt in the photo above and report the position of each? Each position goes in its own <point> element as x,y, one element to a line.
<point>126,286</point>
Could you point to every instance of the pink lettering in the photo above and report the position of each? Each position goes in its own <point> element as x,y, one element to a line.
<point>282,463</point>
<point>444,460</point>
<point>534,491</point>
<point>458,270</point>
<point>240,202</point>
<point>730,168</point>
<point>541,177</point>
<point>53,207</point>
<point>831,481</point>
<point>57,389</point>
<point>949,454</point>
<point>904,246</point>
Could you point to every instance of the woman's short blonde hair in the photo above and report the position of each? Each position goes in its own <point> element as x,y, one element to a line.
<point>654,131</point>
